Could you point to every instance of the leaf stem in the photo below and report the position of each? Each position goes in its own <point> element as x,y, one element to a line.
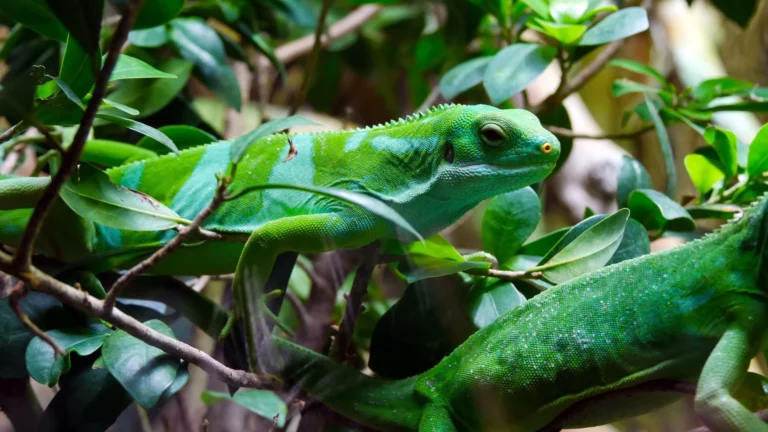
<point>567,133</point>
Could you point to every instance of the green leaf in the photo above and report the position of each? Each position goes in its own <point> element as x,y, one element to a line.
<point>36,15</point>
<point>124,108</point>
<point>566,34</point>
<point>128,67</point>
<point>632,175</point>
<point>588,252</point>
<point>69,93</point>
<point>490,298</point>
<point>157,12</point>
<point>624,86</point>
<point>46,368</point>
<point>109,153</point>
<point>666,147</point>
<point>265,403</point>
<point>463,77</point>
<point>704,174</point>
<point>183,136</point>
<point>739,106</point>
<point>713,88</point>
<point>597,7</point>
<point>17,96</point>
<point>265,49</point>
<point>724,143</point>
<point>618,25</point>
<point>757,159</point>
<point>83,20</point>
<point>241,144</point>
<point>91,194</point>
<point>572,234</point>
<point>508,221</point>
<point>76,70</point>
<point>567,11</point>
<point>543,244</point>
<point>150,97</point>
<point>634,243</point>
<point>539,7</point>
<point>435,257</point>
<point>152,37</point>
<point>140,128</point>
<point>714,211</point>
<point>200,44</point>
<point>513,68</point>
<point>144,371</point>
<point>637,67</point>
<point>656,211</point>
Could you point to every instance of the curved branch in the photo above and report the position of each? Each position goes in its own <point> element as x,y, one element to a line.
<point>567,133</point>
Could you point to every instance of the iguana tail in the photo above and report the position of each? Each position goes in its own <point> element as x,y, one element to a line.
<point>380,404</point>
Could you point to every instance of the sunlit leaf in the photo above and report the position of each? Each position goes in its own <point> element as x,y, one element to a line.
<point>128,67</point>
<point>618,25</point>
<point>140,128</point>
<point>262,402</point>
<point>463,76</point>
<point>513,68</point>
<point>632,175</point>
<point>704,175</point>
<point>656,211</point>
<point>508,221</point>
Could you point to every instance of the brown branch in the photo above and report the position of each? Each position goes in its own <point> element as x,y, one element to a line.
<point>309,71</point>
<point>80,300</point>
<point>567,133</point>
<point>13,300</point>
<point>343,341</point>
<point>12,131</point>
<point>184,233</point>
<point>22,259</point>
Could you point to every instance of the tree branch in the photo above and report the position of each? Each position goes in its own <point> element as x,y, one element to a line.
<point>12,131</point>
<point>13,300</point>
<point>80,300</point>
<point>23,257</point>
<point>309,71</point>
<point>567,133</point>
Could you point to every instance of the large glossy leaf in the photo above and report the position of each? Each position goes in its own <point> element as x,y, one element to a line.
<point>149,38</point>
<point>241,144</point>
<point>36,15</point>
<point>724,143</point>
<point>435,257</point>
<point>91,194</point>
<point>757,159</point>
<point>157,12</point>
<point>200,44</point>
<point>140,128</point>
<point>666,147</point>
<point>572,234</point>
<point>46,368</point>
<point>543,244</point>
<point>83,20</point>
<point>76,69</point>
<point>149,97</point>
<point>703,173</point>
<point>508,221</point>
<point>183,136</point>
<point>262,402</point>
<point>145,372</point>
<point>463,77</point>
<point>128,67</point>
<point>634,243</point>
<point>656,211</point>
<point>588,252</point>
<point>713,88</point>
<point>618,25</point>
<point>513,68</point>
<point>632,175</point>
<point>490,298</point>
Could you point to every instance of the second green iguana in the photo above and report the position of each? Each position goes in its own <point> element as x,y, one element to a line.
<point>604,346</point>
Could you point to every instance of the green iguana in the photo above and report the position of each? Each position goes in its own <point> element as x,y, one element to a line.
<point>571,356</point>
<point>431,168</point>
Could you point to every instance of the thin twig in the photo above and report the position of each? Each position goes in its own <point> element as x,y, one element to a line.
<point>81,300</point>
<point>22,259</point>
<point>184,233</point>
<point>343,341</point>
<point>13,300</point>
<point>12,131</point>
<point>309,71</point>
<point>567,133</point>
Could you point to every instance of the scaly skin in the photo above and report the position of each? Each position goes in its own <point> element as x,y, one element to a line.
<point>694,314</point>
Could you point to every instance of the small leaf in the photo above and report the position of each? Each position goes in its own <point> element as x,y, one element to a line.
<point>149,97</point>
<point>152,37</point>
<point>666,147</point>
<point>638,67</point>
<point>76,70</point>
<point>566,34</point>
<point>588,252</point>
<point>572,234</point>
<point>144,371</point>
<point>508,221</point>
<point>542,245</point>
<point>757,159</point>
<point>656,211</point>
<point>624,86</point>
<point>491,298</point>
<point>713,88</point>
<point>265,403</point>
<point>704,174</point>
<point>124,108</point>
<point>724,143</point>
<point>540,7</point>
<point>157,12</point>
<point>567,11</point>
<point>46,368</point>
<point>128,67</point>
<point>183,136</point>
<point>632,175</point>
<point>714,211</point>
<point>140,128</point>
<point>513,68</point>
<point>635,243</point>
<point>463,77</point>
<point>435,257</point>
<point>91,194</point>
<point>618,25</point>
<point>69,93</point>
<point>241,144</point>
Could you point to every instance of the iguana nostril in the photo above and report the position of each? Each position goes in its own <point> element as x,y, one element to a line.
<point>546,148</point>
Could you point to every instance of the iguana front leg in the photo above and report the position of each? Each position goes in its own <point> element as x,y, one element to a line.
<point>344,228</point>
<point>723,372</point>
<point>436,418</point>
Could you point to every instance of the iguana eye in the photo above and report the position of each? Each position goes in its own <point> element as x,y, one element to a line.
<point>492,134</point>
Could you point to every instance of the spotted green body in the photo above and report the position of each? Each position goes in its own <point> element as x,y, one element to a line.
<point>585,352</point>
